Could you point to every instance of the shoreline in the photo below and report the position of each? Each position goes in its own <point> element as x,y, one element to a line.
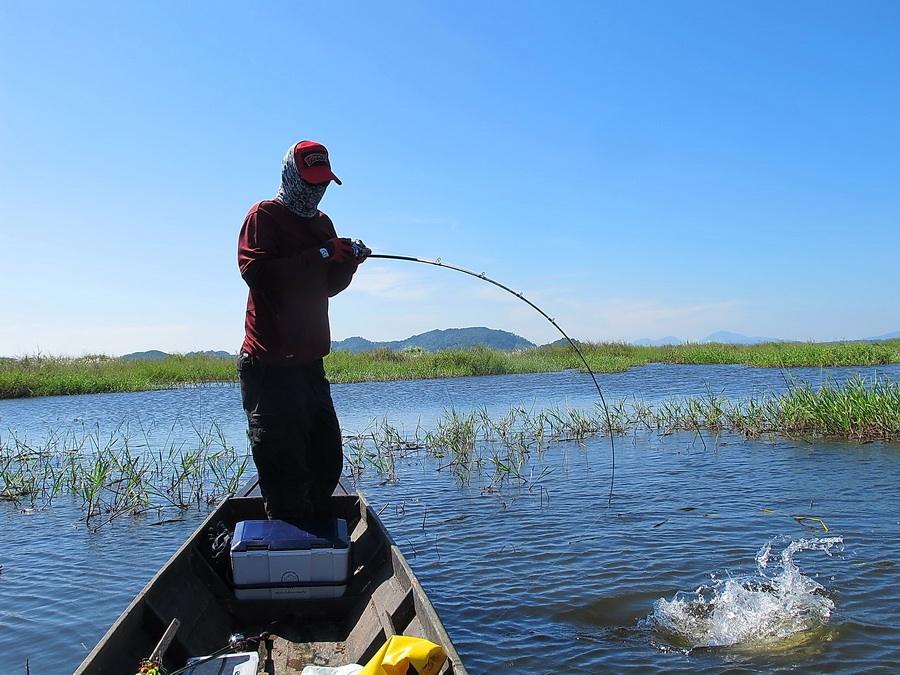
<point>33,377</point>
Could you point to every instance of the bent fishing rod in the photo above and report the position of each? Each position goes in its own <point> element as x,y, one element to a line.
<point>439,263</point>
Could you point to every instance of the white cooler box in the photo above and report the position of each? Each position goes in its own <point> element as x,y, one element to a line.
<point>274,560</point>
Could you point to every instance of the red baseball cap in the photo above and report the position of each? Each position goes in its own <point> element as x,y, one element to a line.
<point>312,162</point>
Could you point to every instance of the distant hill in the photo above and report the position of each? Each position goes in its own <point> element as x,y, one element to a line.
<point>150,355</point>
<point>156,355</point>
<point>562,342</point>
<point>887,336</point>
<point>439,340</point>
<point>463,338</point>
<point>729,338</point>
<point>723,336</point>
<point>661,342</point>
<point>354,344</point>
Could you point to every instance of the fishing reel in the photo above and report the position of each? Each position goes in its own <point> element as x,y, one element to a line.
<point>359,249</point>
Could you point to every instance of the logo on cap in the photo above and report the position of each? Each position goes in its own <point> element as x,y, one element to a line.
<point>311,159</point>
<point>314,158</point>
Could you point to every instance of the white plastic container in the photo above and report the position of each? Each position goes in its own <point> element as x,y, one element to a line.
<point>243,663</point>
<point>274,560</point>
<point>352,669</point>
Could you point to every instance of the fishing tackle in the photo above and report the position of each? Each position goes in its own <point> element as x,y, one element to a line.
<point>236,642</point>
<point>439,263</point>
<point>359,249</point>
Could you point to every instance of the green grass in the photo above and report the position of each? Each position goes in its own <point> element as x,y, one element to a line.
<point>785,354</point>
<point>44,376</point>
<point>860,409</point>
<point>855,410</point>
<point>48,376</point>
<point>602,357</point>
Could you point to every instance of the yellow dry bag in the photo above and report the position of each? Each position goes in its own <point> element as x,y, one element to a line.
<point>400,652</point>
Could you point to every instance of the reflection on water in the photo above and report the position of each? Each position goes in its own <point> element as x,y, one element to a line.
<point>777,608</point>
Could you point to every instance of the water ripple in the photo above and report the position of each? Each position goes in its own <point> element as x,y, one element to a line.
<point>523,583</point>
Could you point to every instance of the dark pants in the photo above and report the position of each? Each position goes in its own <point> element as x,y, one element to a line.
<point>294,436</point>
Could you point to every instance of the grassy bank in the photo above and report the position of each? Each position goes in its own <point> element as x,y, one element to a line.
<point>48,376</point>
<point>44,376</point>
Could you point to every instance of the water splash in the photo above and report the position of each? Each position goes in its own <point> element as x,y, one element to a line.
<point>777,607</point>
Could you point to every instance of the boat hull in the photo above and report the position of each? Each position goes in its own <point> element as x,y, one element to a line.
<point>383,598</point>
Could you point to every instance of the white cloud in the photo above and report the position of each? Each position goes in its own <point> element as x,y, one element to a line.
<point>620,318</point>
<point>631,318</point>
<point>388,284</point>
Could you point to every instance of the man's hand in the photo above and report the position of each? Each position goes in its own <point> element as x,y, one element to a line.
<point>360,252</point>
<point>338,249</point>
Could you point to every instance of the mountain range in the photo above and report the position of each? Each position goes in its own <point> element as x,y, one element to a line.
<point>155,355</point>
<point>723,336</point>
<point>438,340</point>
<point>432,341</point>
<point>731,338</point>
<point>463,338</point>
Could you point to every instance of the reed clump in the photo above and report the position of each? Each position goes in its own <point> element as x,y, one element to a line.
<point>473,441</point>
<point>119,472</point>
<point>856,410</point>
<point>44,376</point>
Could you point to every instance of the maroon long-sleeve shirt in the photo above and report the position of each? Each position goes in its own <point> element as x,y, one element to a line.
<point>290,283</point>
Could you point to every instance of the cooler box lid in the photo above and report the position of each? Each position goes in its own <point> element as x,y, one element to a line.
<point>277,535</point>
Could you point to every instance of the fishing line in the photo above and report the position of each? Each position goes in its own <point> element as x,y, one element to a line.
<point>439,263</point>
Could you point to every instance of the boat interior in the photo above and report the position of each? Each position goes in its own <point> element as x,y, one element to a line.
<point>383,598</point>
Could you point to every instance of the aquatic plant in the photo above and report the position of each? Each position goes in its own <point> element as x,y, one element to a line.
<point>468,441</point>
<point>857,410</point>
<point>116,473</point>
<point>124,470</point>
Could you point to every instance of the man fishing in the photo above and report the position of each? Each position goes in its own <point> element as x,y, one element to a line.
<point>293,261</point>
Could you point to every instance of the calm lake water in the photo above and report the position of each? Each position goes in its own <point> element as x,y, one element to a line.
<point>537,579</point>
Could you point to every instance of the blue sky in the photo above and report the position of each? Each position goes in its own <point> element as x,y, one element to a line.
<point>638,169</point>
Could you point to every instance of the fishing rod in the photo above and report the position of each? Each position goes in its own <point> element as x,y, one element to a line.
<point>235,643</point>
<point>363,250</point>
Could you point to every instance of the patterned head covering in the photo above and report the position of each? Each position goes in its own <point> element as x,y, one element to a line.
<point>295,193</point>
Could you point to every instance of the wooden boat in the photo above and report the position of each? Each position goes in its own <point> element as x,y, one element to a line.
<point>383,598</point>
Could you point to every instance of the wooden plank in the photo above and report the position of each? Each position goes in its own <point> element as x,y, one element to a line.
<point>164,642</point>
<point>251,489</point>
